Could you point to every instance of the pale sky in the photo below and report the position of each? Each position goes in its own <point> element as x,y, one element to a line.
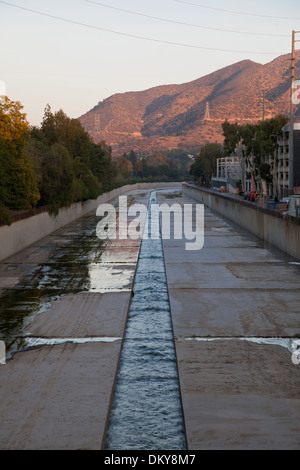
<point>73,66</point>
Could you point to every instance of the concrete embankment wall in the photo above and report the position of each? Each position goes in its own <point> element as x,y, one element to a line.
<point>281,231</point>
<point>24,233</point>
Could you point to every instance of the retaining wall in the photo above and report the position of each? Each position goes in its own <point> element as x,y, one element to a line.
<point>24,233</point>
<point>281,231</point>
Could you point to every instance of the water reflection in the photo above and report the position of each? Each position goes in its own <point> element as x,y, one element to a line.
<point>110,278</point>
<point>65,269</point>
<point>69,261</point>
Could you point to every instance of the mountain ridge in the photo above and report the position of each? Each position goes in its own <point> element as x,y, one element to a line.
<point>171,116</point>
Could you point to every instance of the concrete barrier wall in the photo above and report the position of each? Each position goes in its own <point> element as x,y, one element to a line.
<point>282,232</point>
<point>23,233</point>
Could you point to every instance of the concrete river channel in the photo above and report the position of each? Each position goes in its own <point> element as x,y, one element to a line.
<point>146,412</point>
<point>140,344</point>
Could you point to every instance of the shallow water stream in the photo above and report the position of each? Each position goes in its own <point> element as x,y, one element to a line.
<point>146,411</point>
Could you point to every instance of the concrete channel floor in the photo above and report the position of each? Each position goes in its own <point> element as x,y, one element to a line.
<point>228,301</point>
<point>58,396</point>
<point>225,299</point>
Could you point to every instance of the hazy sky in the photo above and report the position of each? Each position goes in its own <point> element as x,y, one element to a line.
<point>72,66</point>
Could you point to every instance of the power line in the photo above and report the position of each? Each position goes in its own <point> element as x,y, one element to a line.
<point>237,12</point>
<point>184,24</point>
<point>144,38</point>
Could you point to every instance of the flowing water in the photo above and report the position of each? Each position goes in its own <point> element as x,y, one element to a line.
<point>146,411</point>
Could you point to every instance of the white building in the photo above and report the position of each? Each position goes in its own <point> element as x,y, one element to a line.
<point>281,173</point>
<point>229,172</point>
<point>229,167</point>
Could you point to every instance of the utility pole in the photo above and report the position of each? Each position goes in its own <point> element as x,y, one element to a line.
<point>264,94</point>
<point>291,136</point>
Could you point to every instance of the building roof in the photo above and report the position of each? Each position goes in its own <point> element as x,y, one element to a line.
<point>287,127</point>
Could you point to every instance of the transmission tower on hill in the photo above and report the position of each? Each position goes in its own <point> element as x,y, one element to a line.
<point>207,113</point>
<point>97,122</point>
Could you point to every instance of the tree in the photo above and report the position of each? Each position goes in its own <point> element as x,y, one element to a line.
<point>56,164</point>
<point>132,158</point>
<point>139,167</point>
<point>70,136</point>
<point>48,127</point>
<point>180,160</point>
<point>57,186</point>
<point>18,189</point>
<point>206,163</point>
<point>232,137</point>
<point>125,167</point>
<point>155,159</point>
<point>5,216</point>
<point>14,127</point>
<point>18,179</point>
<point>259,141</point>
<point>59,128</point>
<point>101,165</point>
<point>92,185</point>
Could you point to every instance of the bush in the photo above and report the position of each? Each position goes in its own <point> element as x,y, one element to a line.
<point>5,217</point>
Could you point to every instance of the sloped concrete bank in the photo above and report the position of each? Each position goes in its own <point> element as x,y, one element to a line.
<point>235,314</point>
<point>283,232</point>
<point>24,233</point>
<point>56,389</point>
<point>74,291</point>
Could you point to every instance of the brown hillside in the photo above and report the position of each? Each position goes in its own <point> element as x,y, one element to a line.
<point>169,116</point>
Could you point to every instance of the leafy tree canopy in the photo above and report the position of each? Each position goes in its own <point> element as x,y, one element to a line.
<point>18,188</point>
<point>259,141</point>
<point>14,127</point>
<point>206,163</point>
